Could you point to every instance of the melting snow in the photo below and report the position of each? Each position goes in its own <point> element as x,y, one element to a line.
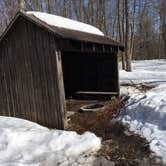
<point>59,21</point>
<point>145,112</point>
<point>148,71</point>
<point>24,143</point>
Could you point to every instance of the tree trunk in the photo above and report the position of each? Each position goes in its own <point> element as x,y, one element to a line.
<point>81,9</point>
<point>21,5</point>
<point>39,5</point>
<point>163,22</point>
<point>127,42</point>
<point>76,9</point>
<point>104,17</point>
<point>70,10</point>
<point>133,29</point>
<point>114,23</point>
<point>49,6</point>
<point>64,8</point>
<point>120,24</point>
<point>91,11</point>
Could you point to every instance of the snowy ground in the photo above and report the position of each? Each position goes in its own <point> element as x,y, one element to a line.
<point>24,143</point>
<point>145,112</point>
<point>147,71</point>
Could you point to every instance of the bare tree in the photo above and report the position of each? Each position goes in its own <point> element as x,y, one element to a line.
<point>70,9</point>
<point>39,5</point>
<point>163,24</point>
<point>120,24</point>
<point>133,28</point>
<point>114,22</point>
<point>127,41</point>
<point>64,13</point>
<point>91,13</point>
<point>49,3</point>
<point>75,8</point>
<point>21,5</point>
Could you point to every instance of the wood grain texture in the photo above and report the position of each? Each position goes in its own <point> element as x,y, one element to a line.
<point>29,82</point>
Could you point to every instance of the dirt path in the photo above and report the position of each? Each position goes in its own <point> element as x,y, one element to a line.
<point>118,144</point>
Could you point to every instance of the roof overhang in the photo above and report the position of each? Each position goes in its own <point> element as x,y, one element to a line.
<point>64,33</point>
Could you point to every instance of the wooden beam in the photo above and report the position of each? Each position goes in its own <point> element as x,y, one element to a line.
<point>117,75</point>
<point>103,48</point>
<point>91,95</point>
<point>61,86</point>
<point>94,47</point>
<point>97,93</point>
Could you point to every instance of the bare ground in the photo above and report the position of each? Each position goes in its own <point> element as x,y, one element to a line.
<point>119,145</point>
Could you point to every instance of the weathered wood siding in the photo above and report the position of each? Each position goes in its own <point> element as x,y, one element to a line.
<point>28,76</point>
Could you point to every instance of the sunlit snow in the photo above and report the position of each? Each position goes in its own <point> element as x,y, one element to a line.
<point>147,71</point>
<point>145,111</point>
<point>63,22</point>
<point>24,143</point>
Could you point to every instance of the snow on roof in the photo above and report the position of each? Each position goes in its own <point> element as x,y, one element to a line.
<point>67,23</point>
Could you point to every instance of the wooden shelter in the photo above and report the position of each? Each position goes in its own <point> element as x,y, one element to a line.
<point>42,65</point>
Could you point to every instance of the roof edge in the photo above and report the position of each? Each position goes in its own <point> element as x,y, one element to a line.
<point>22,14</point>
<point>9,25</point>
<point>47,28</point>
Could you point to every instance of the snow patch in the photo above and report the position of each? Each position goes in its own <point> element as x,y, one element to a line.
<point>25,143</point>
<point>148,71</point>
<point>145,112</point>
<point>59,21</point>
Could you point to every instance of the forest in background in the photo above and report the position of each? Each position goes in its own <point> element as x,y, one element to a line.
<point>139,24</point>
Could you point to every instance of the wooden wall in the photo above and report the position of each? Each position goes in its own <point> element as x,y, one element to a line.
<point>29,77</point>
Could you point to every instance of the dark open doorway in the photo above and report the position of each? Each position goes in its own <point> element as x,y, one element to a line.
<point>89,72</point>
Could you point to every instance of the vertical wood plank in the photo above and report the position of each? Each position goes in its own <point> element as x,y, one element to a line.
<point>61,86</point>
<point>31,76</point>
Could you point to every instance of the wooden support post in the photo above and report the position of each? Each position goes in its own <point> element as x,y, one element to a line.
<point>103,48</point>
<point>93,47</point>
<point>61,87</point>
<point>117,73</point>
<point>82,47</point>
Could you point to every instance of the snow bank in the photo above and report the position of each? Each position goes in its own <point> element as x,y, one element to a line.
<point>59,21</point>
<point>24,143</point>
<point>145,112</point>
<point>146,115</point>
<point>148,71</point>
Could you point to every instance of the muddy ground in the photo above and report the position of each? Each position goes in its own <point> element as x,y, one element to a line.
<point>118,144</point>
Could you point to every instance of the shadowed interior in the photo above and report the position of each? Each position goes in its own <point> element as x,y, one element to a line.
<point>92,72</point>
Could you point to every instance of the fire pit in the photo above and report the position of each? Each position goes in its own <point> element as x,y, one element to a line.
<point>92,107</point>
